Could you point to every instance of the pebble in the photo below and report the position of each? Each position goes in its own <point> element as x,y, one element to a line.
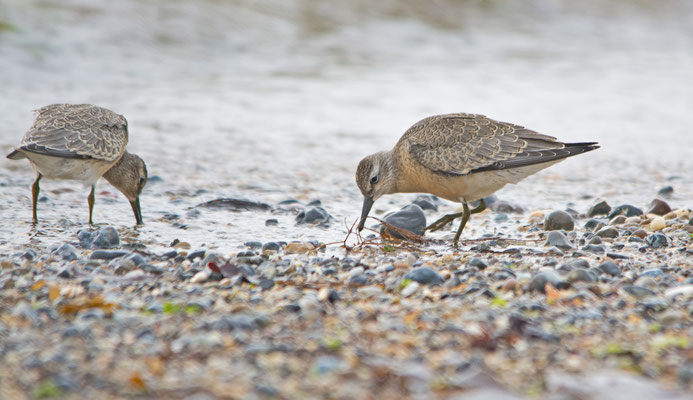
<point>656,240</point>
<point>106,238</point>
<point>253,244</point>
<point>592,223</point>
<point>609,267</point>
<point>666,191</point>
<point>558,239</point>
<point>67,252</point>
<point>410,218</point>
<point>659,207</point>
<point>558,220</point>
<point>271,222</point>
<point>657,224</point>
<point>201,276</point>
<point>314,216</point>
<point>107,254</point>
<point>298,247</point>
<point>626,210</point>
<point>359,279</point>
<point>272,246</point>
<point>652,272</point>
<point>638,292</point>
<point>646,282</point>
<point>581,275</point>
<point>679,293</point>
<point>600,208</point>
<point>424,276</point>
<point>232,204</point>
<point>539,281</point>
<point>478,263</point>
<point>427,202</point>
<point>607,232</point>
<point>410,289</point>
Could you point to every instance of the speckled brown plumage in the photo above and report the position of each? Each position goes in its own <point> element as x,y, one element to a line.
<point>459,157</point>
<point>77,131</point>
<point>462,143</point>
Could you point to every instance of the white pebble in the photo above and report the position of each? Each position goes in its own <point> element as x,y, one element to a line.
<point>411,288</point>
<point>201,276</point>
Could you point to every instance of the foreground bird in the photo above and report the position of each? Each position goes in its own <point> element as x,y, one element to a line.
<point>461,158</point>
<point>82,142</point>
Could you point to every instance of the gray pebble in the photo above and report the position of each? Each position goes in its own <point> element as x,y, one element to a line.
<point>539,281</point>
<point>607,232</point>
<point>477,262</point>
<point>410,218</point>
<point>609,267</point>
<point>426,202</point>
<point>581,275</point>
<point>652,272</point>
<point>313,215</point>
<point>600,208</point>
<point>657,240</point>
<point>67,252</point>
<point>558,239</point>
<point>424,276</point>
<point>559,220</point>
<point>626,210</point>
<point>106,238</point>
<point>638,291</point>
<point>107,254</point>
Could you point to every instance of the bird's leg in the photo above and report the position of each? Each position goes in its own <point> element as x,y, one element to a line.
<point>465,218</point>
<point>440,224</point>
<point>34,196</point>
<point>90,200</point>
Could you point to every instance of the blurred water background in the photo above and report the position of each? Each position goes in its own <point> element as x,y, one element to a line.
<point>279,99</point>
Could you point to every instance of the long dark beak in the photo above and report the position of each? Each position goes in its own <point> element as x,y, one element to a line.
<point>367,204</point>
<point>136,209</point>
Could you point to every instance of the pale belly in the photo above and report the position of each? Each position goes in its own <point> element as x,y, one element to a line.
<point>86,171</point>
<point>466,187</point>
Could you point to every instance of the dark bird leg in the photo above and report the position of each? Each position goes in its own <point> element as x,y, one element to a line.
<point>467,213</point>
<point>90,200</point>
<point>441,223</point>
<point>34,196</point>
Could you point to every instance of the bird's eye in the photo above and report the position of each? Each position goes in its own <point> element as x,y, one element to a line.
<point>374,179</point>
<point>141,181</point>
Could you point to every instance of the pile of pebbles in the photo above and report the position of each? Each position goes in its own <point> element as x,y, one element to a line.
<point>604,293</point>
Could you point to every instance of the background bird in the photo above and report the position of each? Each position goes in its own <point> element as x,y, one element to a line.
<point>461,158</point>
<point>82,142</point>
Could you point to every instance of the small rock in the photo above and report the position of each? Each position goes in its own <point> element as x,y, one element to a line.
<point>596,240</point>
<point>539,281</point>
<point>298,247</point>
<point>658,223</point>
<point>478,263</point>
<point>652,272</point>
<point>196,254</point>
<point>410,289</point>
<point>558,220</point>
<point>272,246</point>
<point>558,239</point>
<point>502,206</point>
<point>106,238</point>
<point>593,223</point>
<point>314,215</point>
<point>646,282</point>
<point>659,207</point>
<point>581,275</point>
<point>410,218</point>
<point>626,210</point>
<point>235,205</point>
<point>594,248</point>
<point>201,276</point>
<point>680,293</point>
<point>657,240</point>
<point>609,267</point>
<point>618,220</point>
<point>640,233</point>
<point>666,192</point>
<point>358,280</point>
<point>107,254</point>
<point>67,252</point>
<point>638,292</point>
<point>426,202</point>
<point>272,222</point>
<point>600,208</point>
<point>607,232</point>
<point>424,276</point>
<point>65,273</point>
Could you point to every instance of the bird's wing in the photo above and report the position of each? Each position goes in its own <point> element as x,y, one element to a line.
<point>459,144</point>
<point>77,131</point>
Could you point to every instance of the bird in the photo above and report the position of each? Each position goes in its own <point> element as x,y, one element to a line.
<point>82,142</point>
<point>459,157</point>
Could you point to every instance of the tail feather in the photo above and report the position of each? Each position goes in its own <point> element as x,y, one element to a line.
<point>16,155</point>
<point>540,156</point>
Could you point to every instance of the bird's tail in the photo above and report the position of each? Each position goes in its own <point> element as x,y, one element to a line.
<point>16,155</point>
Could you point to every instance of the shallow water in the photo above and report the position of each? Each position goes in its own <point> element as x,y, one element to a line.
<point>281,100</point>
